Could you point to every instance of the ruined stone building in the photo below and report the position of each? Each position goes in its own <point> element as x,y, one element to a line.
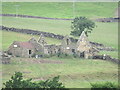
<point>27,49</point>
<point>21,49</point>
<point>82,48</point>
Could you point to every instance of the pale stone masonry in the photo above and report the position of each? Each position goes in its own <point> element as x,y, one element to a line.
<point>27,49</point>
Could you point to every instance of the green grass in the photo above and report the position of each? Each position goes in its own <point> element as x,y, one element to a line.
<point>9,37</point>
<point>105,33</point>
<point>61,9</point>
<point>74,73</point>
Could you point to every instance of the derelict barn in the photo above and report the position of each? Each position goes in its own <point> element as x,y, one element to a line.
<point>21,49</point>
<point>26,49</point>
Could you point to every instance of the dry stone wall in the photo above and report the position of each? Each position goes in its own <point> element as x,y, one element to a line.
<point>38,17</point>
<point>107,58</point>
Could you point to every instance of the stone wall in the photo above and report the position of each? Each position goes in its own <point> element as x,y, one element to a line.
<point>107,58</point>
<point>108,20</point>
<point>38,17</point>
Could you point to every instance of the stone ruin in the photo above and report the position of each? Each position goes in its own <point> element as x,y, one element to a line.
<point>82,48</point>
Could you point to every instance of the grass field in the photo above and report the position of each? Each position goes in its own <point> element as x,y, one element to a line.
<point>105,33</point>
<point>74,73</point>
<point>61,9</point>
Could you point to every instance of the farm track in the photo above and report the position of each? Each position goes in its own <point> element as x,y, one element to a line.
<point>40,61</point>
<point>46,61</point>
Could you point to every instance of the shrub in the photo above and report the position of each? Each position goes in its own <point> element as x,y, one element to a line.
<point>75,55</point>
<point>46,56</point>
<point>18,82</point>
<point>63,55</point>
<point>106,86</point>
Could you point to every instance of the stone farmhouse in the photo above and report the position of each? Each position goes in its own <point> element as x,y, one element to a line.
<point>27,49</point>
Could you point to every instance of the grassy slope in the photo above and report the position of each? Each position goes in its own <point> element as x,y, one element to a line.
<point>62,10</point>
<point>9,37</point>
<point>106,33</point>
<point>74,73</point>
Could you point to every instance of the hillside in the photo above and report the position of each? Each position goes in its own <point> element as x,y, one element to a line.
<point>74,72</point>
<point>61,9</point>
<point>105,33</point>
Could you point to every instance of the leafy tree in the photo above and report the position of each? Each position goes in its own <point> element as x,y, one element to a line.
<point>80,24</point>
<point>17,81</point>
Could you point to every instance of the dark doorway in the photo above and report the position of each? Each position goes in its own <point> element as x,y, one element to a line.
<point>67,41</point>
<point>51,52</point>
<point>73,50</point>
<point>30,51</point>
<point>82,55</point>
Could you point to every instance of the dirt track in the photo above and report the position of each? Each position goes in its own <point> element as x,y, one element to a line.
<point>40,61</point>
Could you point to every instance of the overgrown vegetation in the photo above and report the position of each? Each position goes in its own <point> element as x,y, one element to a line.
<point>80,24</point>
<point>65,55</point>
<point>17,81</point>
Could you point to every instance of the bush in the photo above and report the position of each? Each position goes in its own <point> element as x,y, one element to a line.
<point>76,55</point>
<point>64,55</point>
<point>106,86</point>
<point>46,56</point>
<point>18,82</point>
